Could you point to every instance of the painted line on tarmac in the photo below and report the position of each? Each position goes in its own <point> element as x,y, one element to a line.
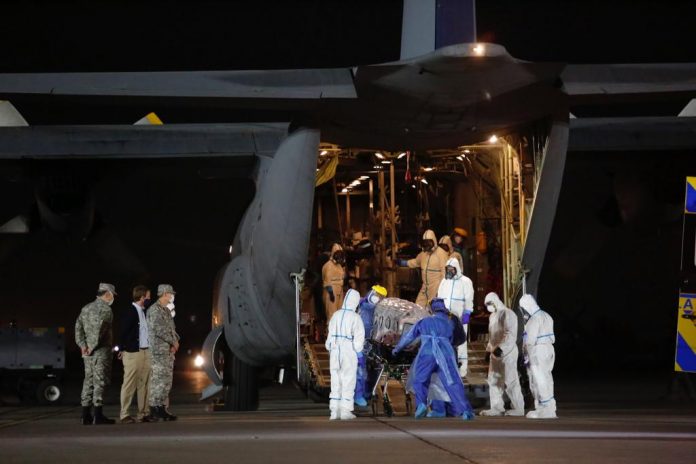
<point>340,433</point>
<point>427,442</point>
<point>16,422</point>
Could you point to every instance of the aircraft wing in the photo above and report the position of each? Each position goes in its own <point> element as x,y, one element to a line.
<point>242,141</point>
<point>588,82</point>
<point>291,84</point>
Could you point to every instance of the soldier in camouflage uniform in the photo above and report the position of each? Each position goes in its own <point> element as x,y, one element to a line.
<point>93,336</point>
<point>164,342</point>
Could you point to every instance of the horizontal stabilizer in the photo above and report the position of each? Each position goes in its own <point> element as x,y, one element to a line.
<point>632,134</point>
<point>606,80</point>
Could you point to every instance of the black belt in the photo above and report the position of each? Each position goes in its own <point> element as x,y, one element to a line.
<point>146,348</point>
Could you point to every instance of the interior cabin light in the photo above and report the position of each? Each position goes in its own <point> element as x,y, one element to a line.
<point>479,50</point>
<point>401,155</point>
<point>493,139</point>
<point>379,155</point>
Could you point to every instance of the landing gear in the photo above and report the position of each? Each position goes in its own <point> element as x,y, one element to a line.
<point>242,384</point>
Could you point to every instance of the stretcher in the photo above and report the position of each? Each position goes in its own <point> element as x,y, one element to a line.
<point>387,374</point>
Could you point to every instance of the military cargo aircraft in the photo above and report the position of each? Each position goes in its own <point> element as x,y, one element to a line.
<point>448,90</point>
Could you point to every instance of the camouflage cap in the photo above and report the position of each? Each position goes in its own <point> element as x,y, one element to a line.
<point>165,288</point>
<point>104,287</point>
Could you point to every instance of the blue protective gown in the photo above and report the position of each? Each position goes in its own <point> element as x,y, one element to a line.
<point>435,356</point>
<point>458,337</point>
<point>366,311</point>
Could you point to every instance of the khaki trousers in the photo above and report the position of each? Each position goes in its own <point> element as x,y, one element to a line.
<point>136,376</point>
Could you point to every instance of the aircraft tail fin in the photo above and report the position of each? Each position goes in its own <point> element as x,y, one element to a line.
<point>431,24</point>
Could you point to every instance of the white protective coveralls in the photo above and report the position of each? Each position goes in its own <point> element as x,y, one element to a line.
<point>458,294</point>
<point>502,371</point>
<point>538,344</point>
<point>344,341</point>
<point>432,266</point>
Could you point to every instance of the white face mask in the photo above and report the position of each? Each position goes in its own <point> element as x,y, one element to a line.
<point>171,299</point>
<point>171,307</point>
<point>490,308</point>
<point>111,301</point>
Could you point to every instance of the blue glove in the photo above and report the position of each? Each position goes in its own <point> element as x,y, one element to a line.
<point>395,352</point>
<point>466,315</point>
<point>360,355</point>
<point>402,262</point>
<point>329,290</point>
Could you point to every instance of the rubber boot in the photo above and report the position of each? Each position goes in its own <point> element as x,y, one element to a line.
<point>100,418</point>
<point>86,415</point>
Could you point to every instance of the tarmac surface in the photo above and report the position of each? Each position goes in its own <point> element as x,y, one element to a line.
<point>604,422</point>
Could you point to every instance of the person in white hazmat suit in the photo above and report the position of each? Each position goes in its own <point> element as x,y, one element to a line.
<point>344,341</point>
<point>502,370</point>
<point>539,358</point>
<point>458,292</point>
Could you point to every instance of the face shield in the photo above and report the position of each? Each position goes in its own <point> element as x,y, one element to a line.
<point>374,297</point>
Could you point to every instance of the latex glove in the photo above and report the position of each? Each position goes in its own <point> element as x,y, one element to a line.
<point>466,316</point>
<point>498,352</point>
<point>402,262</point>
<point>332,297</point>
<point>360,355</point>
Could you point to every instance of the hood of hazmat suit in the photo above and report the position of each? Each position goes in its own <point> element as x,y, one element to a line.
<point>458,292</point>
<point>493,302</point>
<point>529,304</point>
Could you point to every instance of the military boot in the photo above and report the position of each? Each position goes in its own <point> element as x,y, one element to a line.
<point>100,418</point>
<point>86,415</point>
<point>169,416</point>
<point>154,415</point>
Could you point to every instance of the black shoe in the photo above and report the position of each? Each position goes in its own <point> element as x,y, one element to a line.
<point>154,416</point>
<point>100,418</point>
<point>86,415</point>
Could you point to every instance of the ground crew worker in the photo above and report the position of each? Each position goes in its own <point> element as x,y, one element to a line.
<point>539,358</point>
<point>457,291</point>
<point>164,342</point>
<point>431,262</point>
<point>435,356</point>
<point>333,274</point>
<point>502,371</point>
<point>366,310</point>
<point>93,334</point>
<point>344,341</point>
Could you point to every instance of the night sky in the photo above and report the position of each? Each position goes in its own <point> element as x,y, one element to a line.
<point>136,36</point>
<point>140,36</point>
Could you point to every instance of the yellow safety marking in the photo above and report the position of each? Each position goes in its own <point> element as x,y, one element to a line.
<point>687,330</point>
<point>154,119</point>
